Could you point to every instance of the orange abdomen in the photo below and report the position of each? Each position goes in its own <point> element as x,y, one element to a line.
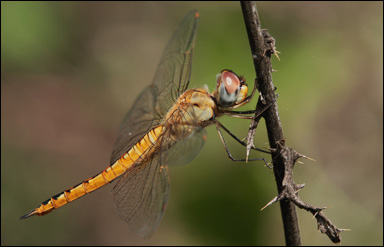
<point>122,165</point>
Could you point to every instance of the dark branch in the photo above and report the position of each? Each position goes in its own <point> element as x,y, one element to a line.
<point>263,47</point>
<point>290,192</point>
<point>261,54</point>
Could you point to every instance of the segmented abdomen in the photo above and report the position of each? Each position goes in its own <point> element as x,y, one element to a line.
<point>143,147</point>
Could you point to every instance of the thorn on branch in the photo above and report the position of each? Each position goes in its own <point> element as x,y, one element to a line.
<point>290,192</point>
<point>263,47</point>
<point>270,43</point>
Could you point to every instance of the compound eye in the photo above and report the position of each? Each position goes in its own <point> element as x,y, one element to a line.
<point>228,88</point>
<point>230,81</point>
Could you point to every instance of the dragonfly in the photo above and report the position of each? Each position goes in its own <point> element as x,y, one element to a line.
<point>165,126</point>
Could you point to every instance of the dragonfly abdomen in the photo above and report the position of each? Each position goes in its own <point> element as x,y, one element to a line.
<point>122,165</point>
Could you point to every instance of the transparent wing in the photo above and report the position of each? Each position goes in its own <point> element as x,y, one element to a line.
<point>173,73</point>
<point>183,135</point>
<point>184,151</point>
<point>141,196</point>
<point>136,124</point>
<point>171,79</point>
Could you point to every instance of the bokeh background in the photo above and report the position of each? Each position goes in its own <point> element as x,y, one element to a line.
<point>70,71</point>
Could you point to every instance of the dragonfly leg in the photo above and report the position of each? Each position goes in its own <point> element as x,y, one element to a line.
<point>218,125</point>
<point>242,114</point>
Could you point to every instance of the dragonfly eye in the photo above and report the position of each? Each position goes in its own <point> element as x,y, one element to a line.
<point>228,88</point>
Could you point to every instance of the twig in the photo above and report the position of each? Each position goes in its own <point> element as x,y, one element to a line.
<point>290,192</point>
<point>263,46</point>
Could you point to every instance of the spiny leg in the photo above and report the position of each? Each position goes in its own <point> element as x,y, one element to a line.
<point>237,139</point>
<point>240,114</point>
<point>217,124</point>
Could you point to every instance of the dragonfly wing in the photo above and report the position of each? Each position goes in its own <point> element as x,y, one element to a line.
<point>141,196</point>
<point>139,120</point>
<point>171,80</point>
<point>174,70</point>
<point>188,147</point>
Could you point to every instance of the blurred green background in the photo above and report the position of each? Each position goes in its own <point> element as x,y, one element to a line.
<point>70,71</point>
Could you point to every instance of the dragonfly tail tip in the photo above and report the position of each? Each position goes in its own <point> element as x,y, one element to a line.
<point>33,212</point>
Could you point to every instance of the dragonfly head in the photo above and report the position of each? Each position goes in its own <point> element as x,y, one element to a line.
<point>231,89</point>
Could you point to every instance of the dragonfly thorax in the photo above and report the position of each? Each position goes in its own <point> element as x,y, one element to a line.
<point>200,105</point>
<point>193,107</point>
